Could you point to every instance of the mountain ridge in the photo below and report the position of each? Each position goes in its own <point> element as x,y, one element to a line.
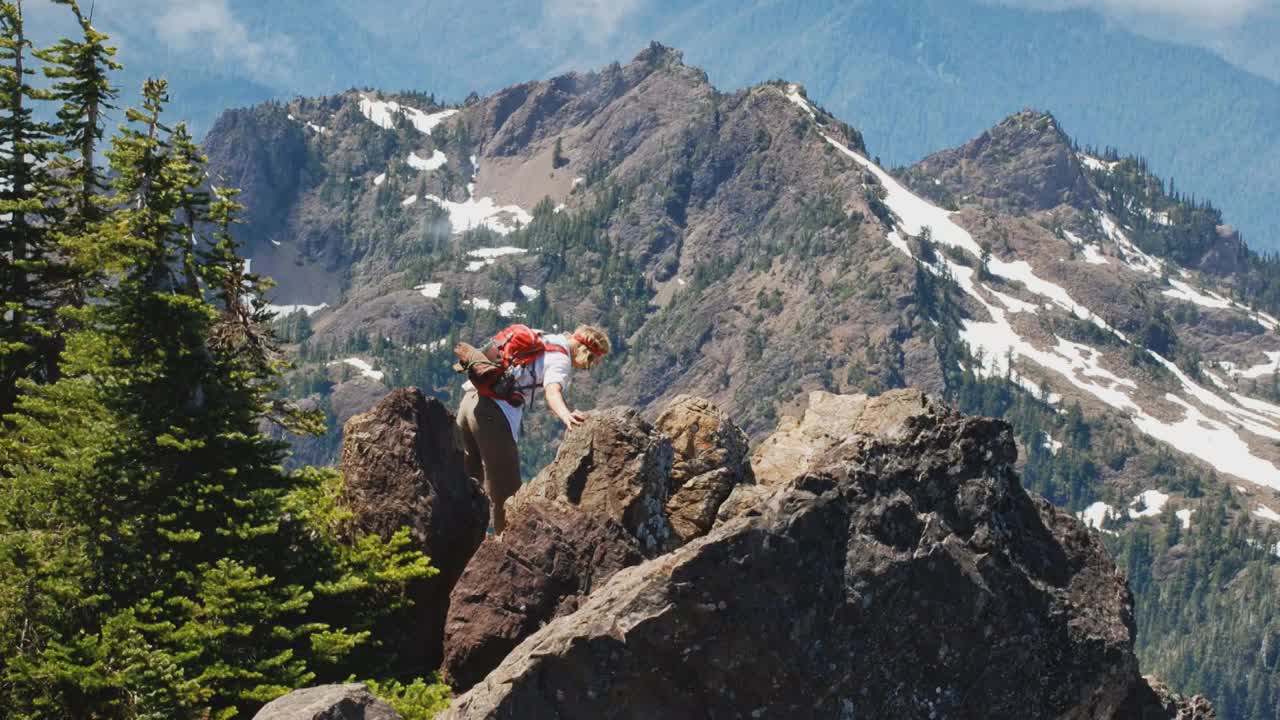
<point>746,248</point>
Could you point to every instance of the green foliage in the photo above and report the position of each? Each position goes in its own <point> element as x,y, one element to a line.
<point>418,700</point>
<point>158,561</point>
<point>1205,605</point>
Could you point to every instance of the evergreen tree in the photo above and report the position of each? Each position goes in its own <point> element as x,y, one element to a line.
<point>147,530</point>
<point>80,71</point>
<point>28,266</point>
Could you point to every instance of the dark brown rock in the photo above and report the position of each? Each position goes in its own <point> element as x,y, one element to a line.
<point>905,576</point>
<point>1151,699</point>
<point>710,460</point>
<point>401,467</point>
<point>614,466</point>
<point>550,557</point>
<point>328,702</point>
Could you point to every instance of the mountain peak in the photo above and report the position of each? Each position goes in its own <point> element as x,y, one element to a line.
<point>1025,162</point>
<point>659,55</point>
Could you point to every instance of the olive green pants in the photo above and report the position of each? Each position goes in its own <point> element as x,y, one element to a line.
<point>489,452</point>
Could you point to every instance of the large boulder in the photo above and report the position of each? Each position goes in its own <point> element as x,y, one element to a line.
<point>905,573</point>
<point>615,466</point>
<point>550,557</point>
<point>829,421</point>
<point>710,461</point>
<point>328,702</point>
<point>401,467</point>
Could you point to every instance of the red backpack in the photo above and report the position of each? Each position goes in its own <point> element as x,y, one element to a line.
<point>511,349</point>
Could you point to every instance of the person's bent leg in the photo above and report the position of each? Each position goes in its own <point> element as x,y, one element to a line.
<point>472,460</point>
<point>501,458</point>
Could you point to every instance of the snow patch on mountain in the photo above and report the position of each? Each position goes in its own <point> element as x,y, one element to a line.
<point>435,162</point>
<point>1092,255</point>
<point>1134,257</point>
<point>793,94</point>
<point>483,212</point>
<point>1267,513</point>
<point>409,201</point>
<point>430,290</point>
<point>1148,503</point>
<point>366,370</point>
<point>1185,516</point>
<point>996,344</point>
<point>1209,299</point>
<point>496,252</point>
<point>1210,440</point>
<point>383,113</point>
<point>379,179</point>
<point>1053,446</point>
<point>1094,163</point>
<point>529,293</point>
<point>1271,367</point>
<point>1013,304</point>
<point>287,310</point>
<point>916,213</point>
<point>1097,514</point>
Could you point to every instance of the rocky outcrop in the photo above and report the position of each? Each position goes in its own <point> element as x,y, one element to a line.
<point>328,702</point>
<point>402,468</point>
<point>900,572</point>
<point>599,507</point>
<point>550,557</point>
<point>829,421</point>
<point>1153,700</point>
<point>1024,163</point>
<point>614,466</point>
<point>710,461</point>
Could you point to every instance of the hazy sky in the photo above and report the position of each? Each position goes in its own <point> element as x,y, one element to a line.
<point>1244,32</point>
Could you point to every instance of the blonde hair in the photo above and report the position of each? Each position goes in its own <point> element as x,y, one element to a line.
<point>588,337</point>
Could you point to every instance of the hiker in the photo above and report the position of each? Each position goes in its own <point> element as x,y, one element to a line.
<point>503,377</point>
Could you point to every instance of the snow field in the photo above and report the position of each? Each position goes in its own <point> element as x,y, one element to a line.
<point>383,114</point>
<point>996,343</point>
<point>366,370</point>
<point>483,212</point>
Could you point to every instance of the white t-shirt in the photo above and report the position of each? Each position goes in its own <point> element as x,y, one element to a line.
<point>550,368</point>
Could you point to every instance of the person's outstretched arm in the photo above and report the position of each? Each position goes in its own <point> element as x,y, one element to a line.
<point>555,401</point>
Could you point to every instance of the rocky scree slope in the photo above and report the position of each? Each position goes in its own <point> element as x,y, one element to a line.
<point>899,570</point>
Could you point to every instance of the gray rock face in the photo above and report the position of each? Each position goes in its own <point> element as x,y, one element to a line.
<point>906,574</point>
<point>328,702</point>
<point>829,421</point>
<point>614,466</point>
<point>402,468</point>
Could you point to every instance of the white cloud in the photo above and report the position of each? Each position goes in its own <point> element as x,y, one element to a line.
<point>594,20</point>
<point>210,25</point>
<point>1215,12</point>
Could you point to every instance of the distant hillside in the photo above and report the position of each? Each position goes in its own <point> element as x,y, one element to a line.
<point>914,75</point>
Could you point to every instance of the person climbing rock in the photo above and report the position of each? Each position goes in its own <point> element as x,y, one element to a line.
<point>503,377</point>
